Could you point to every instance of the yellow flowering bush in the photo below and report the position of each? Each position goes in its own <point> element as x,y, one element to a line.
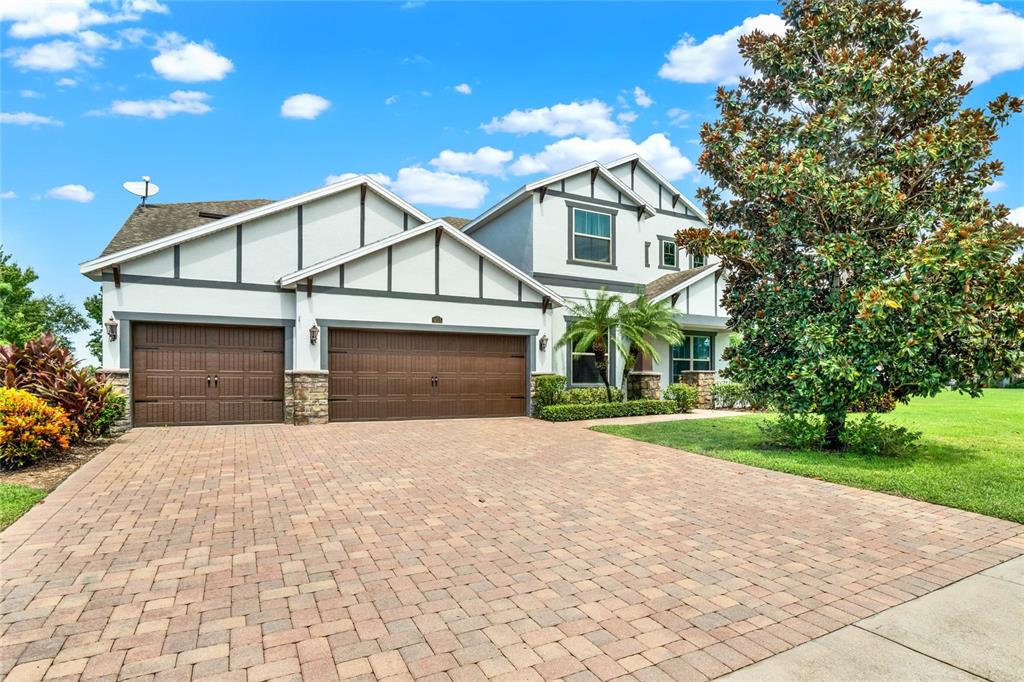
<point>30,428</point>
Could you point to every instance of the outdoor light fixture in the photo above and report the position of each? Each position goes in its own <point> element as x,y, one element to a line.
<point>111,326</point>
<point>314,334</point>
<point>544,342</point>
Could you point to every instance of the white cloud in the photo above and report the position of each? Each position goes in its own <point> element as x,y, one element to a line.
<point>987,33</point>
<point>717,59</point>
<point>56,55</point>
<point>421,186</point>
<point>592,119</point>
<point>678,117</point>
<point>67,83</point>
<point>1017,215</point>
<point>657,149</point>
<point>24,118</point>
<point>464,89</point>
<point>71,193</point>
<point>178,102</point>
<point>378,177</point>
<point>9,194</point>
<point>485,161</point>
<point>189,62</point>
<point>626,117</point>
<point>641,97</point>
<point>32,94</point>
<point>305,106</point>
<point>996,186</point>
<point>413,4</point>
<point>391,100</point>
<point>38,18</point>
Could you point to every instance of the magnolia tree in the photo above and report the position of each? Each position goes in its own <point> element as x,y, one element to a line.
<point>848,209</point>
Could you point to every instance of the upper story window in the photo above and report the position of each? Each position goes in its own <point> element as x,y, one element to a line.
<point>668,254</point>
<point>591,236</point>
<point>697,260</point>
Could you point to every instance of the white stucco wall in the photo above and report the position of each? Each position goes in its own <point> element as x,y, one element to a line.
<point>330,226</point>
<point>211,258</point>
<point>270,247</point>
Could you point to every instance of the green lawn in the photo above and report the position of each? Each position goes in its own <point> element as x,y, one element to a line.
<point>971,455</point>
<point>15,500</point>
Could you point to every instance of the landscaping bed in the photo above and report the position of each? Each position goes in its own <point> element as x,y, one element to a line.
<point>971,453</point>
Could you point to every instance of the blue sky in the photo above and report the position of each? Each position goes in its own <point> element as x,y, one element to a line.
<point>454,104</point>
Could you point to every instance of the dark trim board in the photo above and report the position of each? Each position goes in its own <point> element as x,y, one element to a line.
<point>199,283</point>
<point>418,327</point>
<point>582,198</point>
<point>584,282</point>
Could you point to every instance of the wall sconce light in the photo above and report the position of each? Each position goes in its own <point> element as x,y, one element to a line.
<point>111,327</point>
<point>544,342</point>
<point>314,334</point>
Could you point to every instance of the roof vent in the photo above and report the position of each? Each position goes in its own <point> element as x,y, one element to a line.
<point>144,189</point>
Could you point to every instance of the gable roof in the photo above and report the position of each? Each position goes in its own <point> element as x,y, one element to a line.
<point>653,172</point>
<point>525,190</point>
<point>669,284</point>
<point>456,222</point>
<point>136,251</point>
<point>153,221</point>
<point>293,278</point>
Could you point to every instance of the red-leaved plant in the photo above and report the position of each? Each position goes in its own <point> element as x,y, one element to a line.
<point>47,369</point>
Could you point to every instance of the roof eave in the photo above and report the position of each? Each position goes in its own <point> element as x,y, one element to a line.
<point>686,283</point>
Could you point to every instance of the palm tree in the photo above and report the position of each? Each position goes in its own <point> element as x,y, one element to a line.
<point>591,329</point>
<point>642,323</point>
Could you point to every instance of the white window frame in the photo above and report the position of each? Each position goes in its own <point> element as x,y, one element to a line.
<point>610,238</point>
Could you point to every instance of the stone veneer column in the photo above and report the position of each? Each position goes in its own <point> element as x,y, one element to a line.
<point>704,381</point>
<point>305,397</point>
<point>121,381</point>
<point>643,385</point>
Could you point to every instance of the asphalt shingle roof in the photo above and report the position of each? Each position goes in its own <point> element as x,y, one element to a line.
<point>154,221</point>
<point>666,282</point>
<point>456,222</point>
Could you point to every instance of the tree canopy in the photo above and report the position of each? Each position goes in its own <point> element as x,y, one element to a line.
<point>25,316</point>
<point>862,258</point>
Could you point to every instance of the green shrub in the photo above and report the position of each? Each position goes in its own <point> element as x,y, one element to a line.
<point>30,428</point>
<point>587,396</point>
<point>113,410</point>
<point>631,408</point>
<point>729,395</point>
<point>546,389</point>
<point>683,396</point>
<point>794,432</point>
<point>47,369</point>
<point>870,436</point>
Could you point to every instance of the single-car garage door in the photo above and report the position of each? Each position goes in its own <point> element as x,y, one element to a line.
<point>425,375</point>
<point>205,374</point>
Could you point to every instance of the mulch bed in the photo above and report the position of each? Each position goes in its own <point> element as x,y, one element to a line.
<point>48,473</point>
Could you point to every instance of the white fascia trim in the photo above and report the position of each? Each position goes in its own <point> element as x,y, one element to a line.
<point>246,216</point>
<point>660,178</point>
<point>685,283</point>
<point>292,279</point>
<point>604,172</point>
<point>495,210</point>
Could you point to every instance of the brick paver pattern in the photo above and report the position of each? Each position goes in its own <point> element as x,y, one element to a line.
<point>461,550</point>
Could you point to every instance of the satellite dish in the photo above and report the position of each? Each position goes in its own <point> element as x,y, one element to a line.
<point>142,189</point>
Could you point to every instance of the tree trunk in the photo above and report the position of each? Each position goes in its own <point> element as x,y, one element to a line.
<point>834,424</point>
<point>601,361</point>
<point>628,365</point>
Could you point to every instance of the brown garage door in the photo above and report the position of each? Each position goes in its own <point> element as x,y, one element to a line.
<point>424,375</point>
<point>199,374</point>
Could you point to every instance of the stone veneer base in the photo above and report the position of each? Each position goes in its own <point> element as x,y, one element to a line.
<point>643,386</point>
<point>705,382</point>
<point>121,380</point>
<point>305,397</point>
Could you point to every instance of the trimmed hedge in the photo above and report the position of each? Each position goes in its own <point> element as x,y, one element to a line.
<point>631,408</point>
<point>684,396</point>
<point>546,389</point>
<point>587,396</point>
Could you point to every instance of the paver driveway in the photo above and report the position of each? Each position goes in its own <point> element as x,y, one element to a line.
<point>459,549</point>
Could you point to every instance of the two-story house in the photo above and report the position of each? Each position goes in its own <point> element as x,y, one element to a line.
<point>346,302</point>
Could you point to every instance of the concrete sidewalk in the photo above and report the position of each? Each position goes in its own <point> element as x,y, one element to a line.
<point>973,629</point>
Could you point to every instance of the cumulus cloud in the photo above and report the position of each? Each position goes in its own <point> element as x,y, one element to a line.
<point>996,186</point>
<point>25,118</point>
<point>987,33</point>
<point>306,106</point>
<point>71,193</point>
<point>717,58</point>
<point>56,55</point>
<point>485,161</point>
<point>1017,215</point>
<point>378,177</point>
<point>9,194</point>
<point>592,119</point>
<point>641,97</point>
<point>678,117</point>
<point>464,89</point>
<point>178,102</point>
<point>657,149</point>
<point>39,18</point>
<point>419,185</point>
<point>66,83</point>
<point>31,94</point>
<point>189,62</point>
<point>626,116</point>
<point>391,100</point>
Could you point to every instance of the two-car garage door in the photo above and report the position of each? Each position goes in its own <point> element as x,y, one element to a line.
<point>209,374</point>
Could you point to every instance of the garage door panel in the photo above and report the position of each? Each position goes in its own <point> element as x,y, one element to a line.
<point>417,375</point>
<point>171,364</point>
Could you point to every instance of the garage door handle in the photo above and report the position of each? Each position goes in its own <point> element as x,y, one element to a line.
<point>215,379</point>
<point>207,379</point>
